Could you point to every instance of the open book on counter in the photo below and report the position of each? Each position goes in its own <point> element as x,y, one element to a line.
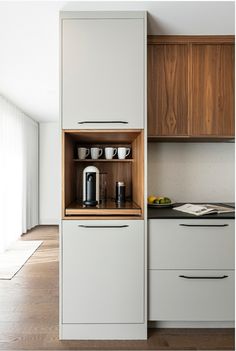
<point>200,210</point>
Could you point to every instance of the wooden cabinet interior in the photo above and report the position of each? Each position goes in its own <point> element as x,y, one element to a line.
<point>129,170</point>
<point>190,88</point>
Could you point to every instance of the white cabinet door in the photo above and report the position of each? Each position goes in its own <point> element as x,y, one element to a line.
<point>191,244</point>
<point>103,73</point>
<point>191,295</point>
<point>103,271</point>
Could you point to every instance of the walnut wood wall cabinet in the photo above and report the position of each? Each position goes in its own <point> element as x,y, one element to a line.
<point>103,265</point>
<point>190,88</point>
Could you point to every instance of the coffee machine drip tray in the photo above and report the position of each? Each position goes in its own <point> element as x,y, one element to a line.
<point>108,208</point>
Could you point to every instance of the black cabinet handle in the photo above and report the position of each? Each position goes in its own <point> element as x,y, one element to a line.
<point>204,277</point>
<point>204,225</point>
<point>103,226</point>
<point>109,122</point>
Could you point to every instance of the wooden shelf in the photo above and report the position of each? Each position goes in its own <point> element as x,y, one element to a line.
<point>108,208</point>
<point>103,160</point>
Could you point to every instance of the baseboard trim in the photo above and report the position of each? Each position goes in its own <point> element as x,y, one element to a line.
<point>49,221</point>
<point>181,324</point>
<point>103,332</point>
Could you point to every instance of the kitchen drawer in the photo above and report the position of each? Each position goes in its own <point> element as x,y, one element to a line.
<point>103,271</point>
<point>174,298</point>
<point>191,244</point>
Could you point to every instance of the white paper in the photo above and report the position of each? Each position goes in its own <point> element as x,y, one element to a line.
<point>200,210</point>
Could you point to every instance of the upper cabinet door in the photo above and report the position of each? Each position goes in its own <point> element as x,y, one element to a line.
<point>212,90</point>
<point>167,90</point>
<point>190,88</point>
<point>103,73</point>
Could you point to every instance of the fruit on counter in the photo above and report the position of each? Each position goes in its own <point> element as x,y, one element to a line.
<point>152,199</point>
<point>166,200</point>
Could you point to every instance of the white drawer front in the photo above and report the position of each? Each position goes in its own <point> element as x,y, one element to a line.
<point>174,298</point>
<point>191,244</point>
<point>103,271</point>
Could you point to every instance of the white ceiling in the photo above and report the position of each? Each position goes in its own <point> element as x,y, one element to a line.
<point>29,36</point>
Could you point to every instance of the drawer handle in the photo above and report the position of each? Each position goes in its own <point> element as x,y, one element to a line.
<point>103,226</point>
<point>204,225</point>
<point>193,277</point>
<point>109,122</point>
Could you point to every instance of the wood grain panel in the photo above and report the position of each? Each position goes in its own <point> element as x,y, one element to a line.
<point>167,90</point>
<point>68,172</point>
<point>138,171</point>
<point>191,87</point>
<point>212,90</point>
<point>94,136</point>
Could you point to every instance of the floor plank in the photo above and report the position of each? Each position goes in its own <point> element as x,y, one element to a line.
<point>29,312</point>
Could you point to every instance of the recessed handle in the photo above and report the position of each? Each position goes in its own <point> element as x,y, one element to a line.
<point>204,277</point>
<point>203,225</point>
<point>103,226</point>
<point>103,122</point>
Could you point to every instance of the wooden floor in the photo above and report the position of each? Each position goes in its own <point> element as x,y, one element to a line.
<point>29,312</point>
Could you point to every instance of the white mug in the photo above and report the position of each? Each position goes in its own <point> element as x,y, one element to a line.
<point>123,152</point>
<point>96,152</point>
<point>110,152</point>
<point>82,153</point>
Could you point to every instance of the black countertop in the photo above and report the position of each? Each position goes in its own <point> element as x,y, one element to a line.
<point>164,213</point>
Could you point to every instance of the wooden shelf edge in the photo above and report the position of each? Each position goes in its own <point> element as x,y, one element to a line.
<point>100,131</point>
<point>103,212</point>
<point>76,209</point>
<point>89,217</point>
<point>188,39</point>
<point>103,160</point>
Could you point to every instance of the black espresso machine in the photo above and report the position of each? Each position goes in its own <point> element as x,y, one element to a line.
<point>90,186</point>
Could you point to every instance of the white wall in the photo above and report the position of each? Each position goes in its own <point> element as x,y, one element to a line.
<point>49,173</point>
<point>192,171</point>
<point>172,17</point>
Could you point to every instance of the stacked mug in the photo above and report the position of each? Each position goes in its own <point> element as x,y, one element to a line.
<point>110,152</point>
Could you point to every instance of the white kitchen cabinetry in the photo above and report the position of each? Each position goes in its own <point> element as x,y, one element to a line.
<point>191,244</point>
<point>103,271</point>
<point>103,260</point>
<point>191,270</point>
<point>191,295</point>
<point>103,70</point>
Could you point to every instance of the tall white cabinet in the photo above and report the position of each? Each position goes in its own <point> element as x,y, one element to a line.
<point>103,250</point>
<point>103,70</point>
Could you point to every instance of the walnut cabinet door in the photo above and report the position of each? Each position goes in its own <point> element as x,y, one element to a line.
<point>190,87</point>
<point>167,90</point>
<point>212,90</point>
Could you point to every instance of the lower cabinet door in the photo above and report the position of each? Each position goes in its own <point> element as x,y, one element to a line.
<point>103,271</point>
<point>191,295</point>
